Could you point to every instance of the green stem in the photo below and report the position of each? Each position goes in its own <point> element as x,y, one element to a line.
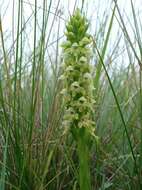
<point>84,169</point>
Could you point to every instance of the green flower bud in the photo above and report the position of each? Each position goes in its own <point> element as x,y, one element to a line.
<point>70,36</point>
<point>69,28</point>
<point>85,41</point>
<point>66,44</point>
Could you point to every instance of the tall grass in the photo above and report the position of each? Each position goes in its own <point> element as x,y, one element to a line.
<point>35,152</point>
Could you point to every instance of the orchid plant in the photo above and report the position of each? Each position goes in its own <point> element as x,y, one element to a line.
<point>78,91</point>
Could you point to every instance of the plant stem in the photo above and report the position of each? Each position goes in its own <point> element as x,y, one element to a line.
<point>84,169</point>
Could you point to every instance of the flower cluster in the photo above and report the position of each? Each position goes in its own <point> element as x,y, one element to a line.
<point>77,79</point>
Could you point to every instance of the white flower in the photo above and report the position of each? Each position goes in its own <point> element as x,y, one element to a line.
<point>85,41</point>
<point>83,59</point>
<point>70,111</point>
<point>64,91</point>
<point>69,69</point>
<point>82,99</point>
<point>75,85</point>
<point>87,76</point>
<point>70,115</point>
<point>62,77</point>
<point>75,45</point>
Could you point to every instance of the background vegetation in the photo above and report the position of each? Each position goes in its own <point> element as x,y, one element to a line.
<point>35,154</point>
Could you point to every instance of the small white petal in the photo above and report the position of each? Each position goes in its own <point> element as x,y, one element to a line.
<point>69,68</point>
<point>83,59</point>
<point>74,45</point>
<point>62,77</point>
<point>87,76</point>
<point>75,85</point>
<point>64,91</point>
